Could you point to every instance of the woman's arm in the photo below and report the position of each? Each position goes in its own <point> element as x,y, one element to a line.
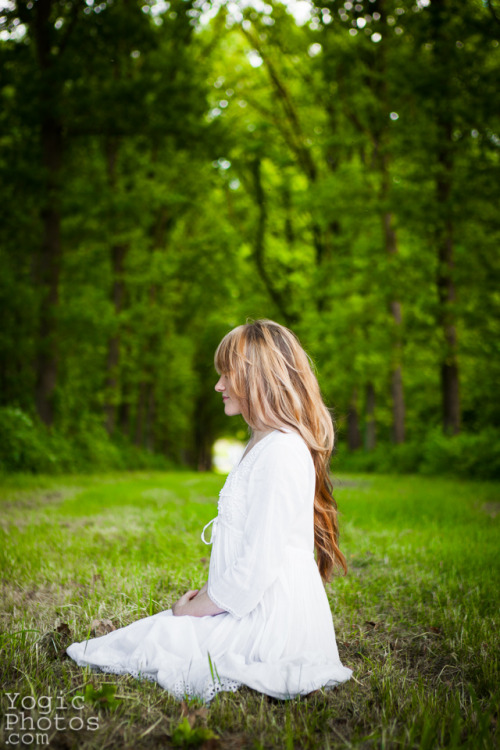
<point>280,501</point>
<point>196,603</point>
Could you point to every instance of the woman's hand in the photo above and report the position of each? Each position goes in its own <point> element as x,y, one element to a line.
<point>196,603</point>
<point>178,607</point>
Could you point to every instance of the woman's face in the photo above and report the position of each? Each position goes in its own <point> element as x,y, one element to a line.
<point>232,404</point>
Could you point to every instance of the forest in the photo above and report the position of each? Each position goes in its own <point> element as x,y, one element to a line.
<point>169,169</point>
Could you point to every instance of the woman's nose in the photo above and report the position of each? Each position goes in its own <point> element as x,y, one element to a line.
<point>219,386</point>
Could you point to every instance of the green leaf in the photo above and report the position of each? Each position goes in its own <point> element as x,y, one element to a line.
<point>187,736</point>
<point>105,697</point>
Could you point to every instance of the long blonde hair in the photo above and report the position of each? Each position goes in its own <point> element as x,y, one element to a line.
<point>271,375</point>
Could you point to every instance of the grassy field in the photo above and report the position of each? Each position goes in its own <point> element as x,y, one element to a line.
<point>416,617</point>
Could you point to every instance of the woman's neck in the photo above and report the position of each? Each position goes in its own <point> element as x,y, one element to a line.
<point>259,434</point>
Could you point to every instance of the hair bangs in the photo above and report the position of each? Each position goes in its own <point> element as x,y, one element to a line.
<point>231,359</point>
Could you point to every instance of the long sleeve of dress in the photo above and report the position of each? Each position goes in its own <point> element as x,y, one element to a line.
<point>280,500</point>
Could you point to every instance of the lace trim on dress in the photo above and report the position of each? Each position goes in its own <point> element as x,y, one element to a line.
<point>183,689</point>
<point>218,686</point>
<point>120,670</point>
<point>220,604</point>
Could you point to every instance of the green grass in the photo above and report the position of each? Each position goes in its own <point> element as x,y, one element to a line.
<point>416,617</point>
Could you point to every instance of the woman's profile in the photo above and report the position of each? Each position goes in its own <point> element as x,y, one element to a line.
<point>263,618</point>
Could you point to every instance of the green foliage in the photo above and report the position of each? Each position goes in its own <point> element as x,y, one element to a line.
<point>246,166</point>
<point>471,456</point>
<point>27,445</point>
<point>24,446</point>
<point>187,736</point>
<point>104,697</point>
<point>466,455</point>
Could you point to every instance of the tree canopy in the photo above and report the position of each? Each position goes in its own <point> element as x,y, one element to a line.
<point>169,169</point>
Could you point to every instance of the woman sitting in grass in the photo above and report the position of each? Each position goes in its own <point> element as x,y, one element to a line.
<point>263,618</point>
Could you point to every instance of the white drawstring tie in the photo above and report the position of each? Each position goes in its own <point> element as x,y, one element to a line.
<point>214,530</point>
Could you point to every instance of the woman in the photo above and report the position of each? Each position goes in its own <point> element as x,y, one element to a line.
<point>263,618</point>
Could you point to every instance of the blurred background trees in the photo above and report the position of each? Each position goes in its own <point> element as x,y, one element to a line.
<point>169,169</point>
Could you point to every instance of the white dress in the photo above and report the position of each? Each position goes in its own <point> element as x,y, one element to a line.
<point>276,634</point>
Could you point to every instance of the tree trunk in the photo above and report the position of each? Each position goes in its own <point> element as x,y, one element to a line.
<point>299,145</point>
<point>259,245</point>
<point>139,417</point>
<point>398,407</point>
<point>380,136</point>
<point>124,415</point>
<point>204,454</point>
<point>449,362</point>
<point>48,263</point>
<point>47,274</point>
<point>150,418</point>
<point>354,440</point>
<point>370,429</point>
<point>118,255</point>
<point>391,246</point>
<point>444,41</point>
